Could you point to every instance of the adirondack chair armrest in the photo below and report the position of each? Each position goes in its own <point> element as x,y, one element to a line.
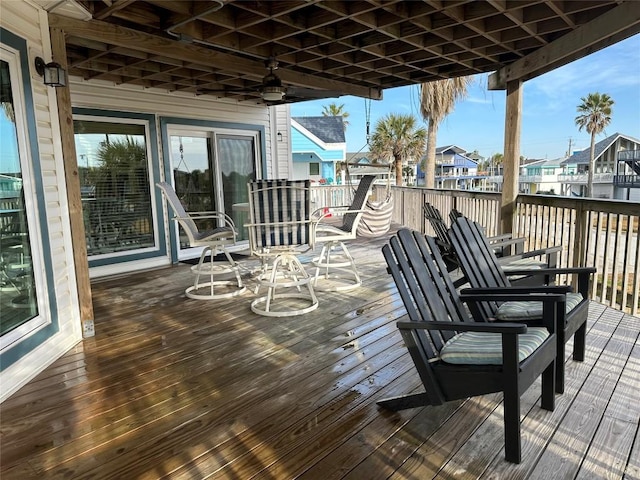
<point>505,327</point>
<point>583,274</point>
<point>505,240</point>
<point>519,289</point>
<point>500,238</point>
<point>504,296</point>
<point>542,251</point>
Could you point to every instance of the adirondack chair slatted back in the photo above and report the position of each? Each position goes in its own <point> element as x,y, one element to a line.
<point>359,199</point>
<point>478,260</point>
<point>435,219</point>
<point>416,267</point>
<point>433,215</point>
<point>283,207</point>
<point>454,214</point>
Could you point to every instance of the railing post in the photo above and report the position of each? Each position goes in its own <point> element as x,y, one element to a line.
<point>513,121</point>
<point>579,251</point>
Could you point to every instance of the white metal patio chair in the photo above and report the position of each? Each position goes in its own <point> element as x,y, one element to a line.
<point>279,230</point>
<point>335,262</point>
<point>214,241</point>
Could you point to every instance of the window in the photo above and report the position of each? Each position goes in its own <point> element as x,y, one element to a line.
<point>25,304</point>
<point>113,165</point>
<point>314,168</point>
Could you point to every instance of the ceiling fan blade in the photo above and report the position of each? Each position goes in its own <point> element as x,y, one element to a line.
<point>303,92</point>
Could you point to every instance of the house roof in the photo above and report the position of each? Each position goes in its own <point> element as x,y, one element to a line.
<point>325,49</point>
<point>359,157</point>
<point>450,149</point>
<point>555,162</point>
<point>583,157</point>
<point>461,161</point>
<point>329,129</point>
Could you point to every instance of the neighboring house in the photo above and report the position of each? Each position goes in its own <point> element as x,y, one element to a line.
<point>617,169</point>
<point>541,176</point>
<point>454,169</point>
<point>317,145</point>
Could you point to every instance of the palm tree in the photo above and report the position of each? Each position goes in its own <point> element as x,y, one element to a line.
<point>496,161</point>
<point>437,100</point>
<point>594,116</point>
<point>396,137</point>
<point>335,110</point>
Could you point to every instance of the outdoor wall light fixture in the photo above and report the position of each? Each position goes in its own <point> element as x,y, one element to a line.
<point>279,135</point>
<point>54,75</point>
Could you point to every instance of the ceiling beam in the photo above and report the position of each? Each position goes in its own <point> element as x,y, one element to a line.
<point>613,26</point>
<point>152,44</point>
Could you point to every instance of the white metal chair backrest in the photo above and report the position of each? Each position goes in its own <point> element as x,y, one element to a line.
<point>350,220</point>
<point>279,212</point>
<point>189,226</point>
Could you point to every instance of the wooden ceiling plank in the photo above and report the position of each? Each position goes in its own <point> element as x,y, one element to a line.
<point>110,10</point>
<point>618,23</point>
<point>124,37</point>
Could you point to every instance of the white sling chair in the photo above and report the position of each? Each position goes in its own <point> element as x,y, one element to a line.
<point>214,241</point>
<point>335,262</point>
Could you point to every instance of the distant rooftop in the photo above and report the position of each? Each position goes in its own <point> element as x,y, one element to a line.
<point>583,157</point>
<point>329,129</point>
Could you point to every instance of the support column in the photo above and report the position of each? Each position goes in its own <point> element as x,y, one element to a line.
<point>511,159</point>
<point>72,179</point>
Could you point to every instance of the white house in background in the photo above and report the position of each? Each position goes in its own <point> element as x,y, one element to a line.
<point>541,176</point>
<point>317,145</point>
<point>611,167</point>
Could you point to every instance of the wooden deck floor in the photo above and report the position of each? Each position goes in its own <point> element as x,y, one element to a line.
<point>186,389</point>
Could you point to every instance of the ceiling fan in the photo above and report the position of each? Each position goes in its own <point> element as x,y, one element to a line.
<point>272,91</point>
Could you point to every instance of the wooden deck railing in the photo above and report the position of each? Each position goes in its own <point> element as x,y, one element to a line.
<point>599,233</point>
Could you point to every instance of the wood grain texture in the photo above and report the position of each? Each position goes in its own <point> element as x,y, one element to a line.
<point>180,389</point>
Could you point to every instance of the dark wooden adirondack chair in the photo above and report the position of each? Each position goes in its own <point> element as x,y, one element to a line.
<point>500,244</point>
<point>434,217</point>
<point>483,271</point>
<point>457,357</point>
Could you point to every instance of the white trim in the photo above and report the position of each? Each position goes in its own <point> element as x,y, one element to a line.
<point>152,190</point>
<point>43,317</point>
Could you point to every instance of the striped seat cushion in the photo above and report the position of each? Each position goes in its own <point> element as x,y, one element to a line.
<point>524,263</point>
<point>481,348</point>
<point>519,311</point>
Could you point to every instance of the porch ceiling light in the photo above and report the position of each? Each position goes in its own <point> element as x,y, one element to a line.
<point>272,94</point>
<point>272,89</point>
<point>53,73</point>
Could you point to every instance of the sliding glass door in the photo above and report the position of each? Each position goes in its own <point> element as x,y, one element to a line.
<point>210,169</point>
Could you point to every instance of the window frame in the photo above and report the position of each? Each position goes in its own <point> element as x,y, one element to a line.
<point>20,341</point>
<point>110,261</point>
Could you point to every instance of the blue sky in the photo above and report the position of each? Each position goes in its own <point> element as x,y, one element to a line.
<point>549,107</point>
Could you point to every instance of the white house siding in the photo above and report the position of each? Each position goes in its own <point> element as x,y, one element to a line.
<point>30,23</point>
<point>281,121</point>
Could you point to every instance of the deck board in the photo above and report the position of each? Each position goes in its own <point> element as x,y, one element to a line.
<point>177,388</point>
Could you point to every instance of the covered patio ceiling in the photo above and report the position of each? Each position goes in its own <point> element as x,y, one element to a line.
<point>328,48</point>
